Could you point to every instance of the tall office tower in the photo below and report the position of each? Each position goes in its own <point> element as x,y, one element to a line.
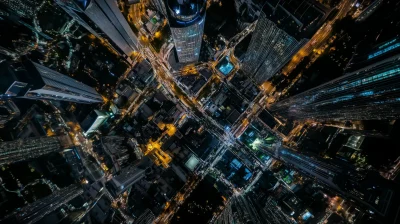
<point>23,8</point>
<point>369,189</point>
<point>129,176</point>
<point>186,20</point>
<point>93,121</point>
<point>36,81</point>
<point>35,211</point>
<point>104,20</point>
<point>323,171</point>
<point>52,85</point>
<point>368,91</point>
<point>23,149</point>
<point>282,29</point>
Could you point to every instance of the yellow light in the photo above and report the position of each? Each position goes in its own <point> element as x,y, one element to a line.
<point>171,129</point>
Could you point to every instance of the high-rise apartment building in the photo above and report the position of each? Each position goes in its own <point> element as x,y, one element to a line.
<point>35,211</point>
<point>104,20</point>
<point>23,149</point>
<point>282,29</point>
<point>36,81</point>
<point>186,20</point>
<point>370,90</point>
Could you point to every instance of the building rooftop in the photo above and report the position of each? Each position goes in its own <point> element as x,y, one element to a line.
<point>298,18</point>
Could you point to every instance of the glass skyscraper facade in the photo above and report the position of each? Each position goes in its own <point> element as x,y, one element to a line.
<point>370,90</point>
<point>186,19</point>
<point>282,29</point>
<point>34,212</point>
<point>35,81</point>
<point>103,19</point>
<point>51,85</point>
<point>23,149</point>
<point>366,187</point>
<point>93,121</point>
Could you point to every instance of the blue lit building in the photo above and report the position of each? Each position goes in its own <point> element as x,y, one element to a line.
<point>225,66</point>
<point>282,29</point>
<point>369,90</point>
<point>186,20</point>
<point>104,20</point>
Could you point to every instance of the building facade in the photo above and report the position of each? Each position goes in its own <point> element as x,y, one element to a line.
<point>186,20</point>
<point>35,81</point>
<point>282,29</point>
<point>93,121</point>
<point>52,85</point>
<point>23,149</point>
<point>370,90</point>
<point>103,19</point>
<point>128,176</point>
<point>368,188</point>
<point>246,209</point>
<point>35,211</point>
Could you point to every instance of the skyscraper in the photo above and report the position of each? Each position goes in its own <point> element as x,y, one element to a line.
<point>282,29</point>
<point>369,189</point>
<point>186,20</point>
<point>23,149</point>
<point>369,90</point>
<point>323,171</point>
<point>35,211</point>
<point>93,121</point>
<point>36,81</point>
<point>128,177</point>
<point>104,20</point>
